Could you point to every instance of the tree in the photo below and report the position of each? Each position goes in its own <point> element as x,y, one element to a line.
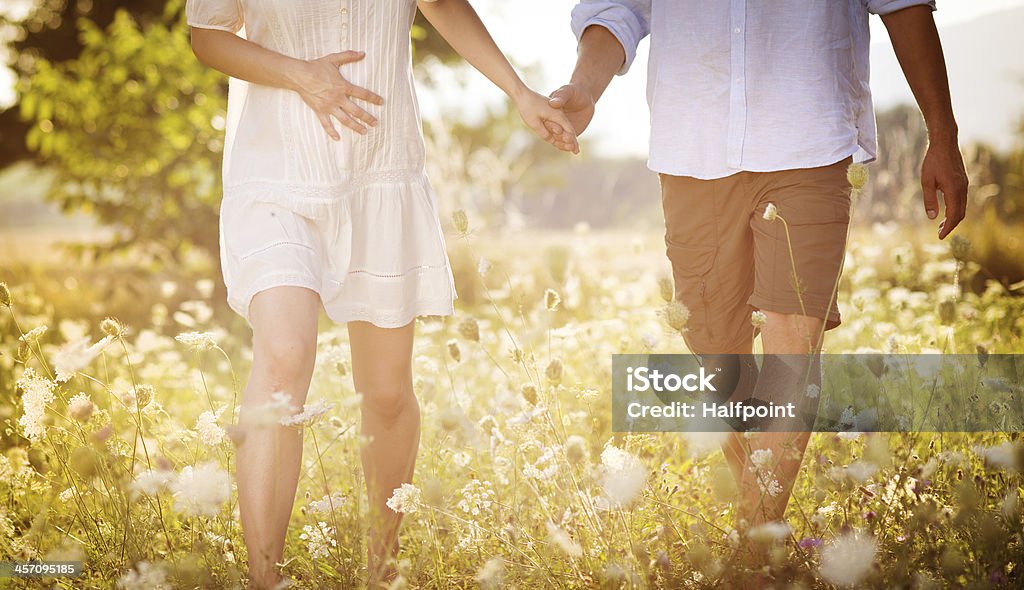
<point>126,125</point>
<point>51,32</point>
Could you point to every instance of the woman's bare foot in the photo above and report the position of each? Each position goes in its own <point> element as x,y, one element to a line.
<point>272,581</point>
<point>382,568</point>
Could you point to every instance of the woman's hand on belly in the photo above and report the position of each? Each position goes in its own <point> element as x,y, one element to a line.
<point>329,94</point>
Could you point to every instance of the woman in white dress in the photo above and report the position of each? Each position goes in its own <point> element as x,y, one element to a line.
<point>316,215</point>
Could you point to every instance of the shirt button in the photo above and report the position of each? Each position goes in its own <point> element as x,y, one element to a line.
<point>344,12</point>
<point>736,30</point>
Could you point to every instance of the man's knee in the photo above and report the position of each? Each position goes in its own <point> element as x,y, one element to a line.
<point>791,333</point>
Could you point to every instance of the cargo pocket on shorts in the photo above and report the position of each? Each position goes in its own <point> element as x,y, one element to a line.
<point>691,272</point>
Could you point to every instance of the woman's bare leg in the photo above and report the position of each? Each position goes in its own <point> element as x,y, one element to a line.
<point>382,372</point>
<point>284,321</point>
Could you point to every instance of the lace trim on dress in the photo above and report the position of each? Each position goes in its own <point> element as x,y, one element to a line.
<point>422,267</point>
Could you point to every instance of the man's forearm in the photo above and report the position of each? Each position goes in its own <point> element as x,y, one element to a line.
<point>600,56</point>
<point>919,51</point>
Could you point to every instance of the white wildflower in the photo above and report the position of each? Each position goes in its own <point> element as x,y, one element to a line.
<point>33,335</point>
<point>761,458</point>
<point>327,504</point>
<point>623,476</point>
<point>848,559</point>
<point>492,574</point>
<point>38,392</point>
<point>770,532</point>
<point>308,415</point>
<point>813,391</point>
<point>272,412</point>
<point>1005,456</point>
<point>484,266</point>
<point>80,407</point>
<point>761,466</point>
<point>861,471</point>
<point>210,433</point>
<point>319,540</point>
<point>561,539</point>
<point>145,576</point>
<point>477,497</point>
<point>76,355</point>
<point>150,483</point>
<point>197,341</point>
<point>545,466</point>
<point>201,490</point>
<point>406,499</point>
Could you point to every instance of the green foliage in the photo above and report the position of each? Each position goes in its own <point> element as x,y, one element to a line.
<point>131,128</point>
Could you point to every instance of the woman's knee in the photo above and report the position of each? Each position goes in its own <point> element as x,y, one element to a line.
<point>285,357</point>
<point>388,403</point>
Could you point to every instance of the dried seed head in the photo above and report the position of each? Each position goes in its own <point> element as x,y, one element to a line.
<point>554,371</point>
<point>666,288</point>
<point>453,350</point>
<point>552,299</point>
<point>529,392</point>
<point>461,221</point>
<point>676,316</point>
<point>112,327</point>
<point>857,174</point>
<point>470,330</point>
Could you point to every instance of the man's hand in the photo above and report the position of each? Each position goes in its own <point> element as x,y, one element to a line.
<point>943,171</point>
<point>542,118</point>
<point>576,103</point>
<point>599,57</point>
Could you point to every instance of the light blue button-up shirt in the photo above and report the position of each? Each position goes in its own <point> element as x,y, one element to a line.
<point>756,85</point>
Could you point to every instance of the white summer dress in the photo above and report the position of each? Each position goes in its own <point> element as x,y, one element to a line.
<point>355,220</point>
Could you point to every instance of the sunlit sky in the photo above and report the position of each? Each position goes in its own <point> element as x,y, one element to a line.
<point>536,35</point>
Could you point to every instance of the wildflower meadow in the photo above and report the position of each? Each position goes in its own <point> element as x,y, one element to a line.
<point>118,441</point>
<point>122,370</point>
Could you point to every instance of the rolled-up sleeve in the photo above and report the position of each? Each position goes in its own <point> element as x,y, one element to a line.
<point>223,15</point>
<point>628,20</point>
<point>888,6</point>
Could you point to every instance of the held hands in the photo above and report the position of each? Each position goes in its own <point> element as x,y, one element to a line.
<point>576,103</point>
<point>547,122</point>
<point>329,94</point>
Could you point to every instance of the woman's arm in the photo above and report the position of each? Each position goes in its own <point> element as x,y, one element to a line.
<point>459,24</point>
<point>319,82</point>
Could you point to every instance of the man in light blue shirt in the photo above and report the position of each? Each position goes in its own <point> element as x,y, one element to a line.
<point>757,109</point>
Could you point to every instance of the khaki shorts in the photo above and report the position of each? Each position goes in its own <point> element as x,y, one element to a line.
<point>727,260</point>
